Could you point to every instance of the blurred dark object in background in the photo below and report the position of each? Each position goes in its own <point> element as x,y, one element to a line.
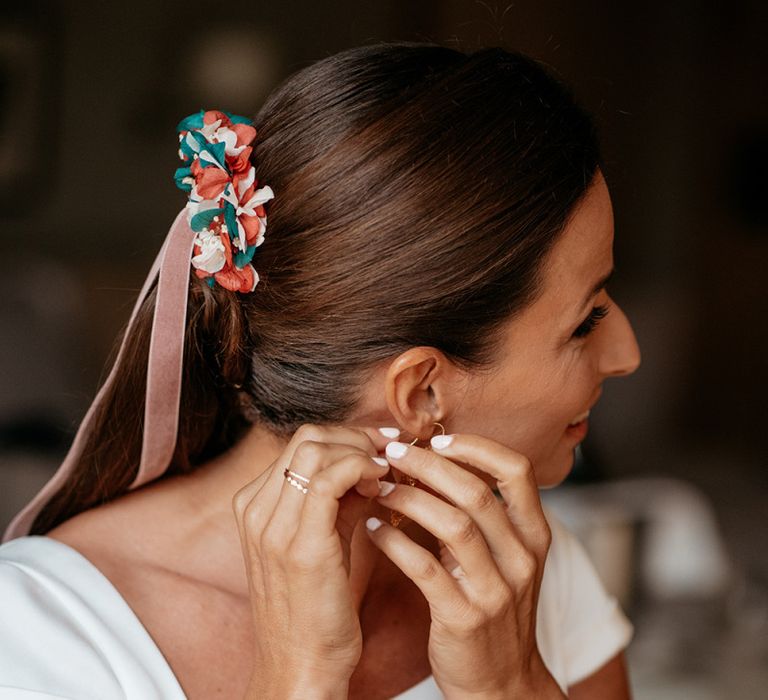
<point>746,180</point>
<point>30,48</point>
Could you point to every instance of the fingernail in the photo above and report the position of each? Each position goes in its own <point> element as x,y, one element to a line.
<point>380,461</point>
<point>396,449</point>
<point>385,488</point>
<point>392,433</point>
<point>373,524</point>
<point>438,442</point>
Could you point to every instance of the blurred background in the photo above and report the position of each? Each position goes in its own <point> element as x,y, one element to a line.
<point>669,492</point>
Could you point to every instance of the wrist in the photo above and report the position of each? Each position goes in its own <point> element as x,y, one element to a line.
<point>305,688</point>
<point>537,683</point>
<point>543,684</point>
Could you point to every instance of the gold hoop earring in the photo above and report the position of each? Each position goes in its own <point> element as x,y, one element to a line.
<point>396,516</point>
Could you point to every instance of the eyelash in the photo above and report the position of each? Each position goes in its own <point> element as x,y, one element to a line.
<point>590,322</point>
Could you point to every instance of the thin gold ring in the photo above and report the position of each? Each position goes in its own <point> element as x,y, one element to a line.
<point>292,478</point>
<point>295,475</point>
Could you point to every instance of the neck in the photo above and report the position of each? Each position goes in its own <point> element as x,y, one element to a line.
<point>209,544</point>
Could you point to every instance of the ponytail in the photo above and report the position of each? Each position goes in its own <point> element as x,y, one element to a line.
<point>210,417</point>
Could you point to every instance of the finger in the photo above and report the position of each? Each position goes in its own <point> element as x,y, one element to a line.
<point>513,472</point>
<point>243,499</point>
<point>441,590</point>
<point>367,439</point>
<point>317,518</point>
<point>268,486</point>
<point>473,496</point>
<point>310,459</point>
<point>455,528</point>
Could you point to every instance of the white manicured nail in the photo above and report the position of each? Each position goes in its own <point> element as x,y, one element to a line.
<point>385,488</point>
<point>438,442</point>
<point>380,461</point>
<point>396,449</point>
<point>391,433</point>
<point>373,524</point>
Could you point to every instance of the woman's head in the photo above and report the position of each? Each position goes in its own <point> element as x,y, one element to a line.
<point>422,200</point>
<point>551,362</point>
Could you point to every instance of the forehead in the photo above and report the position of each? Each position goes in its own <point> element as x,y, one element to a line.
<point>583,253</point>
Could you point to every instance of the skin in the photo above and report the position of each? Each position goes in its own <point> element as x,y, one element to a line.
<point>510,432</point>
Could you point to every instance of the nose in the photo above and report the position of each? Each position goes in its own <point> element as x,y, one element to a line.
<point>619,351</point>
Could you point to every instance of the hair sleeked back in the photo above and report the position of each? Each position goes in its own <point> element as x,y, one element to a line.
<point>418,189</point>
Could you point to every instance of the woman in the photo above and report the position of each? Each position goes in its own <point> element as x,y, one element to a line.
<point>440,242</point>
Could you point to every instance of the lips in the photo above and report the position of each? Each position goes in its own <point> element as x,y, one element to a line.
<point>580,418</point>
<point>584,415</point>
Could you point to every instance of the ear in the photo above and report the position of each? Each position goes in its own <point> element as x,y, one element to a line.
<point>422,386</point>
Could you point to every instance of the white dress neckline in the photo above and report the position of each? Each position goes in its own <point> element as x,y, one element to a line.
<point>121,613</point>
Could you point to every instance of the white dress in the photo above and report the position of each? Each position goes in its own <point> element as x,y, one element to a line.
<point>66,632</point>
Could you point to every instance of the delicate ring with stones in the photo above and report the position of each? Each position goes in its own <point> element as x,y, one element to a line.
<point>295,480</point>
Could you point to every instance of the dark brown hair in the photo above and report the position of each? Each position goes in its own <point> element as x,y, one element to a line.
<point>418,189</point>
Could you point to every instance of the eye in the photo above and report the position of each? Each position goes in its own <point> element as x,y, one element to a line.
<point>590,322</point>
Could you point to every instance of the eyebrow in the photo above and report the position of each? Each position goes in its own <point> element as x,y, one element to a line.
<point>601,284</point>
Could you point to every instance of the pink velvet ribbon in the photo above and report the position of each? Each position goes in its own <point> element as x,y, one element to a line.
<point>164,371</point>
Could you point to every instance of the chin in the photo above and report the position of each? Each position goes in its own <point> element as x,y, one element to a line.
<point>554,472</point>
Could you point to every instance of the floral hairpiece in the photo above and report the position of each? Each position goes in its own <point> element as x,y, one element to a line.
<point>225,208</point>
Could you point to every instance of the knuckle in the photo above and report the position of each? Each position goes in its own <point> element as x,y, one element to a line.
<point>251,517</point>
<point>498,604</point>
<point>321,485</point>
<point>308,432</point>
<point>546,537</point>
<point>271,541</point>
<point>356,460</point>
<point>428,569</point>
<point>309,452</point>
<point>240,500</point>
<point>469,622</point>
<point>521,467</point>
<point>299,559</point>
<point>526,567</point>
<point>463,529</point>
<point>479,497</point>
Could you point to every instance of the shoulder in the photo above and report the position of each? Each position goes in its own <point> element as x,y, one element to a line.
<point>581,623</point>
<point>64,630</point>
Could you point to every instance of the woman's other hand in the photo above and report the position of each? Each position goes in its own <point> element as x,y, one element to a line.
<point>296,547</point>
<point>483,595</point>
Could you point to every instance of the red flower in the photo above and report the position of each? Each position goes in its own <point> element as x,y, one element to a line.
<point>213,114</point>
<point>236,279</point>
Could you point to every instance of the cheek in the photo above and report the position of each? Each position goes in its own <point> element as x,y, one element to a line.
<point>554,454</point>
<point>563,392</point>
<point>529,408</point>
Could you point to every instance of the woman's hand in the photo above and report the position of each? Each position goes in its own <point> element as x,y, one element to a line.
<point>296,548</point>
<point>484,592</point>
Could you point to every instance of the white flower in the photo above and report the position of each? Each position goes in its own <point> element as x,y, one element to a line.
<point>196,203</point>
<point>209,129</point>
<point>248,208</point>
<point>229,138</point>
<point>245,182</point>
<point>206,158</point>
<point>263,194</point>
<point>262,230</point>
<point>212,255</point>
